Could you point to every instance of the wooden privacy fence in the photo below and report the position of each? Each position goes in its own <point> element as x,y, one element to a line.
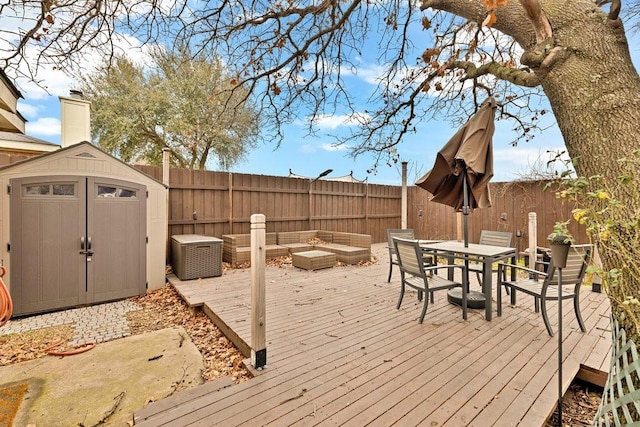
<point>217,203</point>
<point>511,204</point>
<point>9,158</point>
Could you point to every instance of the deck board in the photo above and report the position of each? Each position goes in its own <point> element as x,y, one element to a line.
<point>339,353</point>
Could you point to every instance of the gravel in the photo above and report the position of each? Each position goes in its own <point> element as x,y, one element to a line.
<point>161,309</point>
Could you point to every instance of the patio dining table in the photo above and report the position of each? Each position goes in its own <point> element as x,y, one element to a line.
<point>486,254</point>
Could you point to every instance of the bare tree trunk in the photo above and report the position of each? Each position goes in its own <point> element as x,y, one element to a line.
<point>594,90</point>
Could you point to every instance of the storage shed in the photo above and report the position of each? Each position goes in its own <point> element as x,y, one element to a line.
<point>79,227</point>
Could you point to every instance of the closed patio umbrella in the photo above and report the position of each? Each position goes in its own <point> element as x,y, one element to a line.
<point>464,167</point>
<point>467,156</point>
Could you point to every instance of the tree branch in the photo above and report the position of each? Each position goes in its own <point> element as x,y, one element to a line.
<point>510,74</point>
<point>538,19</point>
<point>511,19</point>
<point>614,11</point>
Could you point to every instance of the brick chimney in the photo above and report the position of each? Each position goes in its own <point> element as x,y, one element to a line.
<point>75,115</point>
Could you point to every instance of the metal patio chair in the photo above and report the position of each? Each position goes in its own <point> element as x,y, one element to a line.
<point>404,233</point>
<point>416,275</point>
<point>494,238</point>
<point>544,286</point>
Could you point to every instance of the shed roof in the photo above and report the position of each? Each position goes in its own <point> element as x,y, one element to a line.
<point>85,150</point>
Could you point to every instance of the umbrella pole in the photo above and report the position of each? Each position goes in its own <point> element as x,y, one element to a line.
<point>465,226</point>
<point>465,208</point>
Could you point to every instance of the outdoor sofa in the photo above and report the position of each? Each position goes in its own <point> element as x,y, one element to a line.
<point>237,247</point>
<point>350,248</point>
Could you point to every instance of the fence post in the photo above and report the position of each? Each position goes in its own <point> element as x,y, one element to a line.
<point>166,169</point>
<point>403,209</point>
<point>258,293</point>
<point>230,203</point>
<point>310,204</point>
<point>367,208</point>
<point>533,240</point>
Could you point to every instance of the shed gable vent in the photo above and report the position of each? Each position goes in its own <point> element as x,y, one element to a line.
<point>86,155</point>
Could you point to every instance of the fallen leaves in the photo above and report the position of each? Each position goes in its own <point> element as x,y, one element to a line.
<point>161,309</point>
<point>164,308</point>
<point>16,348</point>
<point>579,405</point>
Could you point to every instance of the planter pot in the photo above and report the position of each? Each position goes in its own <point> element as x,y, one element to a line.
<point>559,250</point>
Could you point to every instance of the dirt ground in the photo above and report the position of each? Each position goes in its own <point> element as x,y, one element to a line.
<point>579,405</point>
<point>164,308</point>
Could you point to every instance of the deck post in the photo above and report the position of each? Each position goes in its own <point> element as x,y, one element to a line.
<point>533,240</point>
<point>403,209</point>
<point>258,303</point>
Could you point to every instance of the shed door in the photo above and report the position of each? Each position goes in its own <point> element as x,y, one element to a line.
<point>116,225</point>
<point>75,240</point>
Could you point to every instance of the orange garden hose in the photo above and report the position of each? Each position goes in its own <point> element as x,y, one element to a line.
<point>6,310</point>
<point>6,305</point>
<point>74,350</point>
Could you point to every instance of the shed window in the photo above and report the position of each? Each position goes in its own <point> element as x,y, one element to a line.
<point>61,190</point>
<point>36,190</point>
<point>109,191</point>
<point>123,192</point>
<point>64,189</point>
<point>104,191</point>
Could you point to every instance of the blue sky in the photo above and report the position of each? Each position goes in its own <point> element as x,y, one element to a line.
<point>309,155</point>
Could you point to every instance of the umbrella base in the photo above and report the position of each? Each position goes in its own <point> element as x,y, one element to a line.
<point>474,299</point>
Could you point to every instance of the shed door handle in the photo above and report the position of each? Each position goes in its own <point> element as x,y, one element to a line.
<point>85,246</point>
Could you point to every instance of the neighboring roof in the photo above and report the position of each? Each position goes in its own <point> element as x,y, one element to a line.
<point>16,141</point>
<point>10,118</point>
<point>20,137</point>
<point>345,178</point>
<point>10,84</point>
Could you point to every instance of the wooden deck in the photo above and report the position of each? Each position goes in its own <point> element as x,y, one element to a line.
<point>339,353</point>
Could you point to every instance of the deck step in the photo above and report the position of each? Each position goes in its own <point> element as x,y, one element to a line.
<point>152,411</point>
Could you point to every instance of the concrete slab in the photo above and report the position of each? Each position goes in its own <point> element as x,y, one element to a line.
<point>80,389</point>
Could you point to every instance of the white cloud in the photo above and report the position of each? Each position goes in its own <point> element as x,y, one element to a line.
<point>374,74</point>
<point>519,162</point>
<point>51,80</point>
<point>328,122</point>
<point>144,9</point>
<point>332,147</point>
<point>56,83</point>
<point>29,111</point>
<point>325,146</point>
<point>370,73</point>
<point>307,148</point>
<point>39,103</point>
<point>44,126</point>
<point>332,122</point>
